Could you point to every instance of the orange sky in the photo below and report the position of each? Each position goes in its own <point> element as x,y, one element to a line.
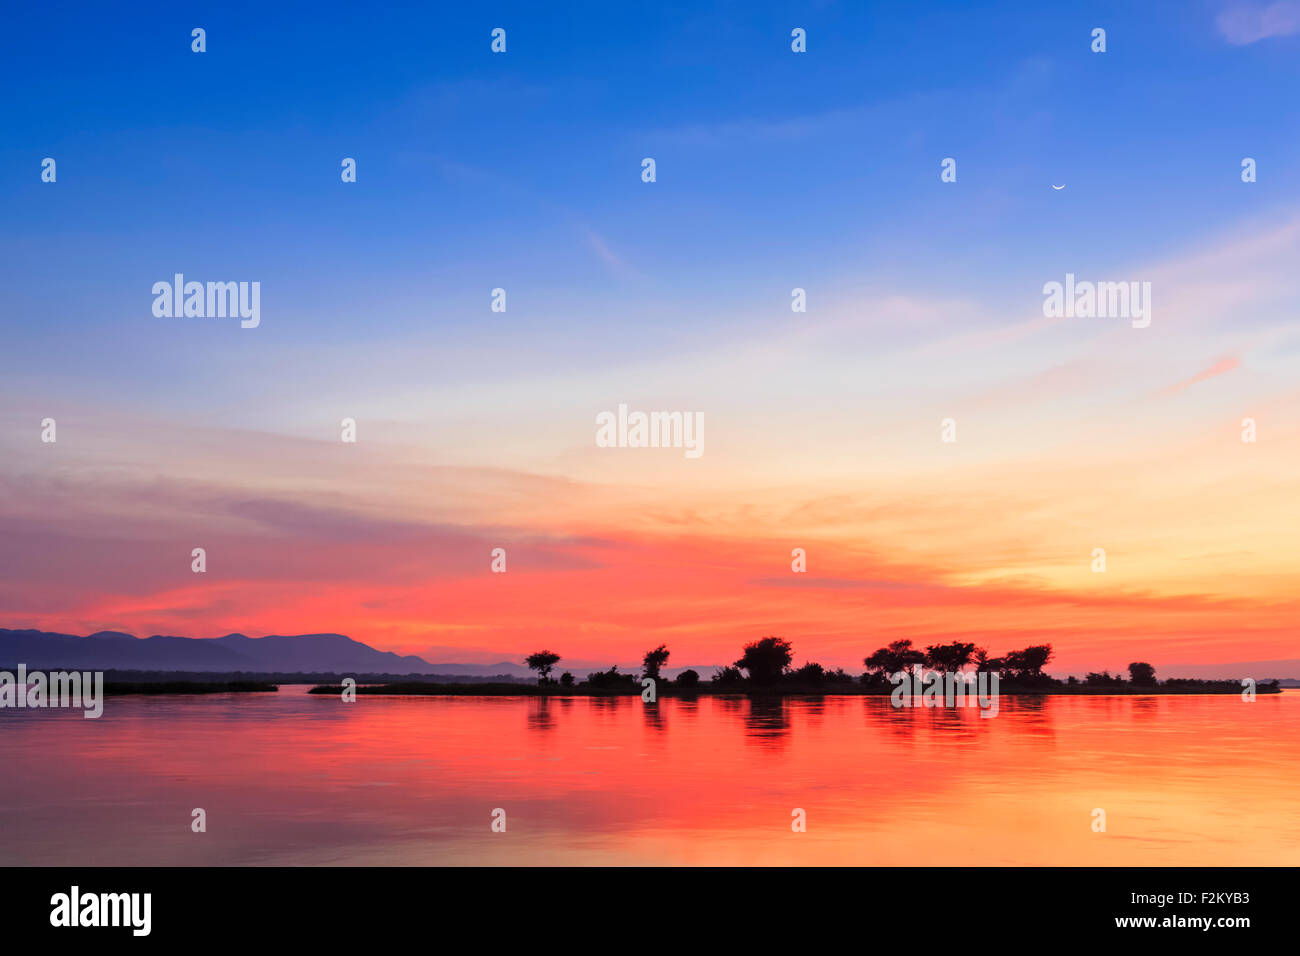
<point>822,434</point>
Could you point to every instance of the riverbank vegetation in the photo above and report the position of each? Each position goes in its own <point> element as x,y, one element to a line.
<point>766,667</point>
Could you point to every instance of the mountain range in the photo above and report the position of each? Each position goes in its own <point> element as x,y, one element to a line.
<point>273,654</point>
<point>296,653</point>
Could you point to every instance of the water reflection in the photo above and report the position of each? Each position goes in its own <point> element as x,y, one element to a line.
<point>729,705</point>
<point>539,714</point>
<point>606,706</point>
<point>1196,780</point>
<point>654,716</point>
<point>767,722</point>
<point>1146,707</point>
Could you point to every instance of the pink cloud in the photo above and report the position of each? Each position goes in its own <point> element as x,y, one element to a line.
<point>1221,367</point>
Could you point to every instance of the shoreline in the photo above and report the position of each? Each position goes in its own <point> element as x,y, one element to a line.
<point>122,688</point>
<point>375,686</point>
<point>406,689</point>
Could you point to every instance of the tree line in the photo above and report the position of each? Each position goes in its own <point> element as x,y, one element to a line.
<point>769,661</point>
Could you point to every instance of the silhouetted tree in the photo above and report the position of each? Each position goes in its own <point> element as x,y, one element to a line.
<point>1104,679</point>
<point>1027,664</point>
<point>542,662</point>
<point>949,658</point>
<point>654,660</point>
<point>989,665</point>
<point>612,680</point>
<point>898,656</point>
<point>727,675</point>
<point>1141,674</point>
<point>812,674</point>
<point>688,678</point>
<point>766,659</point>
<point>566,679</point>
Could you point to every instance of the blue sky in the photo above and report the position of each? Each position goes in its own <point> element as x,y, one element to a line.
<point>522,170</point>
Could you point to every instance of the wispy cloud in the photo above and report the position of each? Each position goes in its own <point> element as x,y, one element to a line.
<point>1244,23</point>
<point>612,260</point>
<point>1220,367</point>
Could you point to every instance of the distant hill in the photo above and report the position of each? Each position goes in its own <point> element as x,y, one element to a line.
<point>112,650</point>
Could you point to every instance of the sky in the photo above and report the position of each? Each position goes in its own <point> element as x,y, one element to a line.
<point>775,170</point>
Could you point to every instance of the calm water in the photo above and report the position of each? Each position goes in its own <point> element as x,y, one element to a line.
<point>287,778</point>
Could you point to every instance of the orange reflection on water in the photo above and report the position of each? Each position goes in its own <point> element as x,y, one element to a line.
<point>290,778</point>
